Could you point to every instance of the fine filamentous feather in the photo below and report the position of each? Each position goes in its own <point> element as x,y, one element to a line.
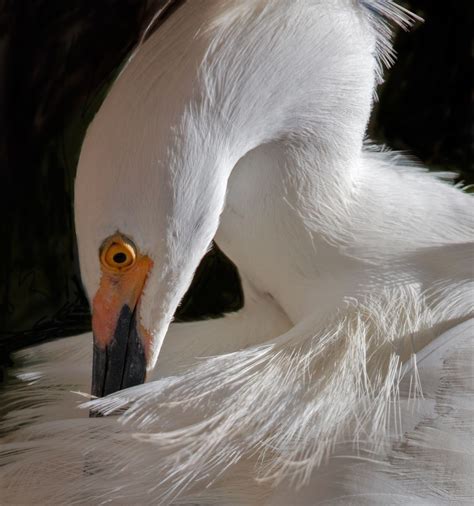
<point>421,452</point>
<point>359,394</point>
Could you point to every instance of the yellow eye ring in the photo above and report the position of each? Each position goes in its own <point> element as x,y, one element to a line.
<point>118,254</point>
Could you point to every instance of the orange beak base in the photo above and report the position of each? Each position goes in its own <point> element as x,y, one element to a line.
<point>121,344</point>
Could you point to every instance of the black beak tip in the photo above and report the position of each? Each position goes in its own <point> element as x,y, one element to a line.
<point>122,363</point>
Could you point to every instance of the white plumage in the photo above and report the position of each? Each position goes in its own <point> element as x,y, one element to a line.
<point>346,377</point>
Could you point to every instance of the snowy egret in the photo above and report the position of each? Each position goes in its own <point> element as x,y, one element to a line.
<point>344,376</point>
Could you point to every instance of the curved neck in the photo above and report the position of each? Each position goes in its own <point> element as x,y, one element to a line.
<point>208,87</point>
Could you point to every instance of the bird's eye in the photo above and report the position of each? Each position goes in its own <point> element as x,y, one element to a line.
<point>118,254</point>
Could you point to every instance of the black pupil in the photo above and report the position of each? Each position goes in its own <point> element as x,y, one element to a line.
<point>120,258</point>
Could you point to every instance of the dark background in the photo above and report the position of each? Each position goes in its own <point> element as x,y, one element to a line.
<point>57,59</point>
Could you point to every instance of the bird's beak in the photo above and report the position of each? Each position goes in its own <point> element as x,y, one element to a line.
<point>121,344</point>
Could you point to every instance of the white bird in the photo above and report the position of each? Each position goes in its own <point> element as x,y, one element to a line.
<point>346,377</point>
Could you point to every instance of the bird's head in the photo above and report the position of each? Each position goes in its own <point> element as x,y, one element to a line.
<point>147,207</point>
<point>217,80</point>
<point>149,191</point>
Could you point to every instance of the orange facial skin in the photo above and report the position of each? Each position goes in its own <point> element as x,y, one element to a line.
<point>118,287</point>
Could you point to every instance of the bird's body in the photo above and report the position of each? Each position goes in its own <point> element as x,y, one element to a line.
<point>244,122</point>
